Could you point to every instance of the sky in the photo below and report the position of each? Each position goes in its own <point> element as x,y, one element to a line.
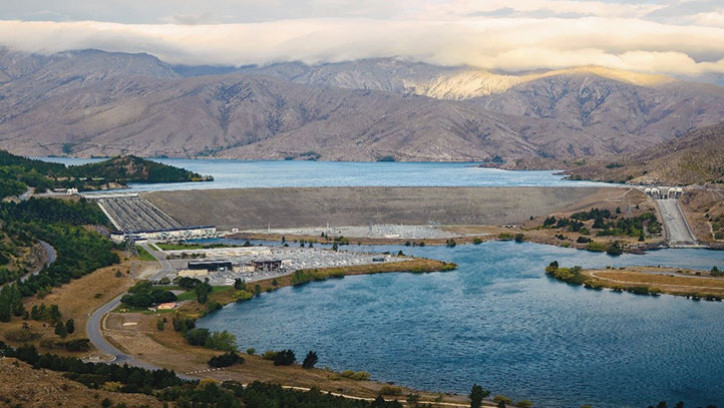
<point>679,37</point>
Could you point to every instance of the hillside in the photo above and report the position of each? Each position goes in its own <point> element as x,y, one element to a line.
<point>18,173</point>
<point>44,388</point>
<point>89,103</point>
<point>695,158</point>
<point>132,169</point>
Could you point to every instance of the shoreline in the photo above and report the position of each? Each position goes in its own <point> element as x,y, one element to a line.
<point>650,281</point>
<point>169,349</point>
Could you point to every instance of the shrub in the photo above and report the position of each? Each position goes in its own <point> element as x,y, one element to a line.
<point>22,335</point>
<point>505,236</point>
<point>477,241</point>
<point>182,324</point>
<point>222,340</point>
<point>250,351</point>
<point>390,390</point>
<point>78,345</point>
<point>502,398</point>
<point>285,358</point>
<point>520,237</point>
<point>594,246</point>
<point>614,248</point>
<point>269,355</point>
<point>355,375</point>
<point>226,360</point>
<point>197,337</point>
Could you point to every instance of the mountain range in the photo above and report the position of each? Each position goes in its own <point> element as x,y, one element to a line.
<point>697,157</point>
<point>96,103</point>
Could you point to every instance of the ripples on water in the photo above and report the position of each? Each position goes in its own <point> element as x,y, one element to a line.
<point>499,321</point>
<point>261,173</point>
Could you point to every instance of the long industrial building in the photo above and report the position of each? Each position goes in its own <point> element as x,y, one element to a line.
<point>135,217</point>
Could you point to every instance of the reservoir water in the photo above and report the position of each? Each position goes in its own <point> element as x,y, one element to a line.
<point>497,320</point>
<point>262,173</point>
<point>500,322</point>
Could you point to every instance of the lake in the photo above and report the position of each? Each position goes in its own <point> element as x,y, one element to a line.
<point>500,322</point>
<point>265,173</point>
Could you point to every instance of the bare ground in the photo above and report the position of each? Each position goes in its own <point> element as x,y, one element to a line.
<point>362,206</point>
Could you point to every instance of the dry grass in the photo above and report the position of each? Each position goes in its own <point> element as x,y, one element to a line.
<point>696,204</point>
<point>667,280</point>
<point>44,388</point>
<point>76,300</point>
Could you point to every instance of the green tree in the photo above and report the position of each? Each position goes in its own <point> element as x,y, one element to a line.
<point>55,315</point>
<point>222,340</point>
<point>284,358</point>
<point>523,404</point>
<point>60,330</point>
<point>70,326</point>
<point>310,360</point>
<point>413,399</point>
<point>477,393</point>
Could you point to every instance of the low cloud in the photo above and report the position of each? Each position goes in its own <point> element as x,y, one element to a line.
<point>486,41</point>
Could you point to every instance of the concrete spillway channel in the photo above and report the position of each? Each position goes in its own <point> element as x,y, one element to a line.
<point>677,229</point>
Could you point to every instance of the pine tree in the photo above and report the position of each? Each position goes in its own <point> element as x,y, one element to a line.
<point>70,326</point>
<point>60,330</point>
<point>310,360</point>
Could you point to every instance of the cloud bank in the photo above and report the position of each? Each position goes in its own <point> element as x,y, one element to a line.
<point>676,37</point>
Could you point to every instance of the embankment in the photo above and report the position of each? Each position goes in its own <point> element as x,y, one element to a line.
<point>359,206</point>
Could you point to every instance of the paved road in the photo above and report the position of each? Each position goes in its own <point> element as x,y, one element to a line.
<point>52,256</point>
<point>27,194</point>
<point>94,328</point>
<point>166,266</point>
<point>678,233</point>
<point>93,331</point>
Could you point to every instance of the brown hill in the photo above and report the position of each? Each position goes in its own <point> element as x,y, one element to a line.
<point>43,388</point>
<point>696,158</point>
<point>95,103</point>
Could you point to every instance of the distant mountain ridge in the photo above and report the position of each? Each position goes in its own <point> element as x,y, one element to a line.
<point>85,103</point>
<point>697,157</point>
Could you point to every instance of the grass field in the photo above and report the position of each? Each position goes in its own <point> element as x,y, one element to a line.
<point>191,295</point>
<point>665,280</point>
<point>144,255</point>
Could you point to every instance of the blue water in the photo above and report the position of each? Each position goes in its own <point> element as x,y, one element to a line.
<point>249,174</point>
<point>500,322</point>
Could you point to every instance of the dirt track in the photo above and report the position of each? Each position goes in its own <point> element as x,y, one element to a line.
<point>359,206</point>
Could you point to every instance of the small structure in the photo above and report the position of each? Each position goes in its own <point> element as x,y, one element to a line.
<point>211,266</point>
<point>379,259</point>
<point>71,191</point>
<point>267,266</point>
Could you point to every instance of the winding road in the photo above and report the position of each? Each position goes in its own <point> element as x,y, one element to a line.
<point>52,255</point>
